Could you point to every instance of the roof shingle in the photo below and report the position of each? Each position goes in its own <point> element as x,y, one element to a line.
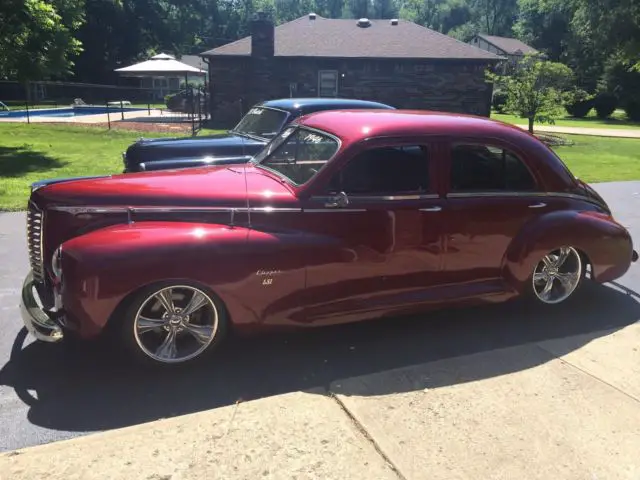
<point>339,38</point>
<point>509,45</point>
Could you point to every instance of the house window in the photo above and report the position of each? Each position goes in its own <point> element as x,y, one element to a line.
<point>328,83</point>
<point>485,168</point>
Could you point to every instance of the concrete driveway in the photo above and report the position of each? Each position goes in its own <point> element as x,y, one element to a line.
<point>48,394</point>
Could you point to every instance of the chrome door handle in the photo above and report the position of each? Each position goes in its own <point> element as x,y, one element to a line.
<point>431,209</point>
<point>538,205</point>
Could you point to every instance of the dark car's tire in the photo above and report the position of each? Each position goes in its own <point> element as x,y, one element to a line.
<point>557,277</point>
<point>170,324</point>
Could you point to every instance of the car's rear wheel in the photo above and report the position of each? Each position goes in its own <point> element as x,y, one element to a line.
<point>173,324</point>
<point>558,275</point>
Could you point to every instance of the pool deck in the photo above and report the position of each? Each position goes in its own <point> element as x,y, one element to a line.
<point>154,115</point>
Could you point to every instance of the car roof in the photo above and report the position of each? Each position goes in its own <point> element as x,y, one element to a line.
<point>320,103</point>
<point>356,125</point>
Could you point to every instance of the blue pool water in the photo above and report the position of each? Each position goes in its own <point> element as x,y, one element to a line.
<point>65,112</point>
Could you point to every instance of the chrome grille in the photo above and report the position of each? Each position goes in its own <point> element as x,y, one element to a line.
<point>34,241</point>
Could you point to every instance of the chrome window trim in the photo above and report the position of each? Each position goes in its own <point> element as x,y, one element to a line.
<point>297,126</point>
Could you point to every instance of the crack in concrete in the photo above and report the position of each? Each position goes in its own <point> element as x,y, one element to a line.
<point>586,372</point>
<point>363,431</point>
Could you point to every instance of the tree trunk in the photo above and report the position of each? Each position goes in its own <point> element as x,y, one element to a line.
<point>530,124</point>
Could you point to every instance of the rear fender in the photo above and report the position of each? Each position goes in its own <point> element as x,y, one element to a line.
<point>605,243</point>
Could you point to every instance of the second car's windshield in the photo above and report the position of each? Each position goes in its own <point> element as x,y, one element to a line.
<point>298,154</point>
<point>261,122</point>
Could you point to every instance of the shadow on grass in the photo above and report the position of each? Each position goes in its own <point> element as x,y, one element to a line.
<point>17,161</point>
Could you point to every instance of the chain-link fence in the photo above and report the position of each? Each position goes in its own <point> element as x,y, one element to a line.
<point>181,109</point>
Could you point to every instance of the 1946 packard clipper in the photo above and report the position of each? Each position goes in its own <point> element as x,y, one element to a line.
<point>345,216</point>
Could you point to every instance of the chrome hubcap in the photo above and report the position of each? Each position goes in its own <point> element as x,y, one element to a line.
<point>557,275</point>
<point>175,324</point>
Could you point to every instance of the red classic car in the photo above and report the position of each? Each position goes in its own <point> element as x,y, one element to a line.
<point>345,216</point>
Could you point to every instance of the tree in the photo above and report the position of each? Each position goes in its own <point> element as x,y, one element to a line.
<point>37,37</point>
<point>535,90</point>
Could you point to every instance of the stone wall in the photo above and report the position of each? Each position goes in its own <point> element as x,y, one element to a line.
<point>452,86</point>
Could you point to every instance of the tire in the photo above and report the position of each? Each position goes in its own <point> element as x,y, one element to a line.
<point>155,336</point>
<point>557,277</point>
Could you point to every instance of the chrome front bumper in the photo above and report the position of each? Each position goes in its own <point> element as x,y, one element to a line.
<point>37,321</point>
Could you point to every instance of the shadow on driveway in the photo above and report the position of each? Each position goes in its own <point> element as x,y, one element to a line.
<point>89,390</point>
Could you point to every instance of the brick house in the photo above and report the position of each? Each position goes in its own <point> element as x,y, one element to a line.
<point>512,49</point>
<point>392,61</point>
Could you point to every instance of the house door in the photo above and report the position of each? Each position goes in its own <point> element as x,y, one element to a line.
<point>328,83</point>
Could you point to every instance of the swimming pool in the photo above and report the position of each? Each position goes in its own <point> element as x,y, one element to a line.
<point>66,112</point>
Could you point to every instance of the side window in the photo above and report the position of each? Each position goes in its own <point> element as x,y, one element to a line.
<point>476,168</point>
<point>385,171</point>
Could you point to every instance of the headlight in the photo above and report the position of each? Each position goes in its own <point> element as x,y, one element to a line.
<point>56,263</point>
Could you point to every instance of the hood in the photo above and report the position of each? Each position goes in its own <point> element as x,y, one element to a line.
<point>220,145</point>
<point>228,186</point>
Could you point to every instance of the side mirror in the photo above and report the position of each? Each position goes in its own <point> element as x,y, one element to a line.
<point>338,201</point>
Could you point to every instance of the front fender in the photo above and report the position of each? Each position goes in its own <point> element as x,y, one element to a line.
<point>104,267</point>
<point>606,244</point>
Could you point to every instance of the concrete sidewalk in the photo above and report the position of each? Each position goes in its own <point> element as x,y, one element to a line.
<point>562,409</point>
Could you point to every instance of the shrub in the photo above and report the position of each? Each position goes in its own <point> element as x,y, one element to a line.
<point>605,103</point>
<point>578,103</point>
<point>632,109</point>
<point>499,101</point>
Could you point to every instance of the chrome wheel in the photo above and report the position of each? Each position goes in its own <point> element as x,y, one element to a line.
<point>557,275</point>
<point>175,324</point>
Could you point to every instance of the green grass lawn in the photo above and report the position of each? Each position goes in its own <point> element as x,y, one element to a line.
<point>602,159</point>
<point>617,120</point>
<point>33,152</point>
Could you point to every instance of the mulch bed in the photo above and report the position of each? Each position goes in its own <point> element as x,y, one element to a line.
<point>553,140</point>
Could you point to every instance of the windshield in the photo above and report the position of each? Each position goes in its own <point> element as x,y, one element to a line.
<point>261,122</point>
<point>298,154</point>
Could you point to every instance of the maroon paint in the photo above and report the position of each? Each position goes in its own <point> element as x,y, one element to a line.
<point>333,266</point>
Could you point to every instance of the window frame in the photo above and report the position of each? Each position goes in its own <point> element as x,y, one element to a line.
<point>296,128</point>
<point>432,158</point>
<point>518,153</point>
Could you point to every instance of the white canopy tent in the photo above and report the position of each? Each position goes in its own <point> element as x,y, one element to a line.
<point>161,65</point>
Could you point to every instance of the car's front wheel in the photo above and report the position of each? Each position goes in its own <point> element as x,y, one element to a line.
<point>172,324</point>
<point>558,275</point>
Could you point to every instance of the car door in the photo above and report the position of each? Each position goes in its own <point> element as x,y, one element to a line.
<point>492,191</point>
<point>380,217</point>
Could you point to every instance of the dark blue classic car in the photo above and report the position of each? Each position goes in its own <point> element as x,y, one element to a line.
<point>263,122</point>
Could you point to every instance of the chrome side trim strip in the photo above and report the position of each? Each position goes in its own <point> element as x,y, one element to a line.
<point>90,209</point>
<point>516,194</point>
<point>132,210</point>
<point>574,196</point>
<point>334,210</point>
<point>379,198</point>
